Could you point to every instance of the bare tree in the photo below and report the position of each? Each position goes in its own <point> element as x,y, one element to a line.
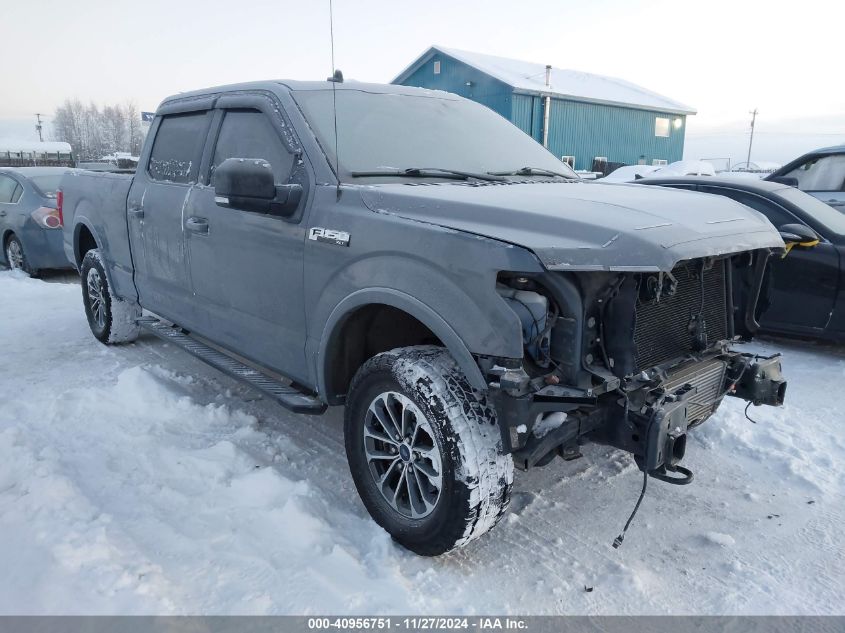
<point>114,132</point>
<point>68,124</point>
<point>134,129</point>
<point>94,132</point>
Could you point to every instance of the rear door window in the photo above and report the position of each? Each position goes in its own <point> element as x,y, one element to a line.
<point>7,189</point>
<point>177,149</point>
<point>250,134</point>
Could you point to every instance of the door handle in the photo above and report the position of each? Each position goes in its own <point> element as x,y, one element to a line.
<point>197,225</point>
<point>136,212</point>
<point>2,214</point>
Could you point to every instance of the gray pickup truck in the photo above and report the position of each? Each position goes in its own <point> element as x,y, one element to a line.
<point>413,256</point>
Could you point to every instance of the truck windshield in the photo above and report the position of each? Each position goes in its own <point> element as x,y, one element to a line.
<point>382,132</point>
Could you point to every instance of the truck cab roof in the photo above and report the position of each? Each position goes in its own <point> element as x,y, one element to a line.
<point>302,86</point>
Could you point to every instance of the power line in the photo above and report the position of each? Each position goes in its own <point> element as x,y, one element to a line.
<point>764,133</point>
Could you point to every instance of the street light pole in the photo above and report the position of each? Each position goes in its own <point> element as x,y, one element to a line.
<point>751,140</point>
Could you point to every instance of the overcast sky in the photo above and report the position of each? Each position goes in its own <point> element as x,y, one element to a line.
<point>722,57</point>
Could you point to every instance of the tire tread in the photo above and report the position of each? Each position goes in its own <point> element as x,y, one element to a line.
<point>432,373</point>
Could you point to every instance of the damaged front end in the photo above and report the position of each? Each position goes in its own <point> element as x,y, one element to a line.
<point>630,359</point>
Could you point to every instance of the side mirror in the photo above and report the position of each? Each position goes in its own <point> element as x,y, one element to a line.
<point>798,235</point>
<point>789,181</point>
<point>248,184</point>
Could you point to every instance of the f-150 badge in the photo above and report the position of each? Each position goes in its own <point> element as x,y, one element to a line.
<point>330,236</point>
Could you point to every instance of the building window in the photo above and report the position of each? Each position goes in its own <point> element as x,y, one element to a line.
<point>437,67</point>
<point>661,126</point>
<point>569,160</point>
<point>657,162</point>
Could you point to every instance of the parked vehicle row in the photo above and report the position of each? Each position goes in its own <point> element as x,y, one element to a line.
<point>413,256</point>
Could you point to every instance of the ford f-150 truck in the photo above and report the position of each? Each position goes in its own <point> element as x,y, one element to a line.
<point>415,257</point>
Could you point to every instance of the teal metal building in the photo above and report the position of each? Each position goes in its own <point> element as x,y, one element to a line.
<point>582,118</point>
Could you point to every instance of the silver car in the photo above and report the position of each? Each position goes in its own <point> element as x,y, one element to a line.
<point>30,223</point>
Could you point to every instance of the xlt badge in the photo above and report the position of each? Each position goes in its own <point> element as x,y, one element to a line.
<point>330,236</point>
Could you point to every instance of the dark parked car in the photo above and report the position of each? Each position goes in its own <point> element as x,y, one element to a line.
<point>471,302</point>
<point>820,173</point>
<point>803,293</point>
<point>30,223</point>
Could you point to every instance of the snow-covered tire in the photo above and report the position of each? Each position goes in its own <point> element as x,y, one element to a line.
<point>475,476</point>
<point>16,256</point>
<point>111,319</point>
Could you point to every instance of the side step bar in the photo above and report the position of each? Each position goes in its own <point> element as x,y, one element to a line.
<point>286,395</point>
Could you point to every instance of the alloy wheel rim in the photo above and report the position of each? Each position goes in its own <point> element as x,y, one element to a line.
<point>95,296</point>
<point>402,455</point>
<point>14,255</point>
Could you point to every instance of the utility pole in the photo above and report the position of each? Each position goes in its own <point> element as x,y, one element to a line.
<point>38,127</point>
<point>751,140</point>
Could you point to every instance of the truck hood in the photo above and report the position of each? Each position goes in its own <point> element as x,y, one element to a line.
<point>585,226</point>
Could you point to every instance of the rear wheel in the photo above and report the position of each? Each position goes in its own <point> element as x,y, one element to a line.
<point>425,450</point>
<point>111,319</point>
<point>16,257</point>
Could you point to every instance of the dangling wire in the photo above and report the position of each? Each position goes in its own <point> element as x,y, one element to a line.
<point>618,540</point>
<point>748,417</point>
<point>334,100</point>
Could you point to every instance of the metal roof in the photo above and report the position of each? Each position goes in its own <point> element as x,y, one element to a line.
<point>530,77</point>
<point>29,145</point>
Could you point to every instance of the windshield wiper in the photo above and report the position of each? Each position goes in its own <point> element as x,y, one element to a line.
<point>533,171</point>
<point>426,172</point>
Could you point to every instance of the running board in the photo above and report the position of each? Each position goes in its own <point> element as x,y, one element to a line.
<point>286,395</point>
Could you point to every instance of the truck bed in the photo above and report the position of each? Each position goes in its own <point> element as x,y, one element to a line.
<point>94,200</point>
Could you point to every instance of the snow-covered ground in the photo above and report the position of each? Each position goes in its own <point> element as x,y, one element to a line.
<point>136,480</point>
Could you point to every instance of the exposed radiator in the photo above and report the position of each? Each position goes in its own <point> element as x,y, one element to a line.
<point>708,378</point>
<point>663,328</point>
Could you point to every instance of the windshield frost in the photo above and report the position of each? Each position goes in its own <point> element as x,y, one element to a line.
<point>379,131</point>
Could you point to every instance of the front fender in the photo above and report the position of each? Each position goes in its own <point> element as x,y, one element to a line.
<point>413,306</point>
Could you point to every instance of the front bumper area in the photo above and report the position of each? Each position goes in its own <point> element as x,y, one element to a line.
<point>647,416</point>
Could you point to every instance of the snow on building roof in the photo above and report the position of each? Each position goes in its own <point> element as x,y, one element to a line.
<point>24,145</point>
<point>531,77</point>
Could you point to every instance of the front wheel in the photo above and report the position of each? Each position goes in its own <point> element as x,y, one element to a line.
<point>425,450</point>
<point>111,319</point>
